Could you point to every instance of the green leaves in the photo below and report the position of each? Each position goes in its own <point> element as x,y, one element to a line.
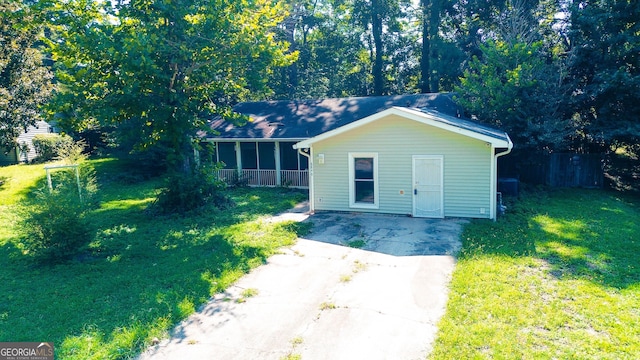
<point>605,64</point>
<point>25,83</point>
<point>53,225</point>
<point>513,87</point>
<point>162,68</point>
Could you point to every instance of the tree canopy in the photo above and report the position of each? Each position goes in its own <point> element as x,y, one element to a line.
<point>25,82</point>
<point>160,69</point>
<point>604,59</point>
<point>518,82</point>
<point>557,75</point>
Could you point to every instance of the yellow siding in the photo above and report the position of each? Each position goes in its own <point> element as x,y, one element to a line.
<point>467,167</point>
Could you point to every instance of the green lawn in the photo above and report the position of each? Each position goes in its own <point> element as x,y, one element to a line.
<point>557,278</point>
<point>140,275</point>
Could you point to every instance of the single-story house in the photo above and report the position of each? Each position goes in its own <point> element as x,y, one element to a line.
<point>25,151</point>
<point>408,154</point>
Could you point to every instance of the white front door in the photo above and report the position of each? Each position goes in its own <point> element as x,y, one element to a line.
<point>428,177</point>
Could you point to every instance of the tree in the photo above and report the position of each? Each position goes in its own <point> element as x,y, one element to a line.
<point>513,88</point>
<point>333,60</point>
<point>25,82</point>
<point>605,66</point>
<point>160,69</point>
<point>342,53</point>
<point>431,10</point>
<point>519,85</point>
<point>379,19</point>
<point>471,22</point>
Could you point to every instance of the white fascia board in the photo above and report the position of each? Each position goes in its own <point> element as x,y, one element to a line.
<point>407,113</point>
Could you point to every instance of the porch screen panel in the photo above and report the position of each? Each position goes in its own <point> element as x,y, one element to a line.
<point>227,154</point>
<point>304,162</point>
<point>267,155</point>
<point>288,156</point>
<point>249,156</point>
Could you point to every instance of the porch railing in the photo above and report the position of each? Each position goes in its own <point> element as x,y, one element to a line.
<point>229,176</point>
<point>253,177</point>
<point>259,177</point>
<point>295,178</point>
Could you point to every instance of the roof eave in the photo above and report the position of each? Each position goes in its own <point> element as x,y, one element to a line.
<point>209,139</point>
<point>416,115</point>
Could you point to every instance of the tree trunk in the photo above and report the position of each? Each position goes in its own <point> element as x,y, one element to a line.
<point>434,24</point>
<point>376,29</point>
<point>292,70</point>
<point>425,61</point>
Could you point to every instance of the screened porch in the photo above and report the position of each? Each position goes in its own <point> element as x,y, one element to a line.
<point>262,163</point>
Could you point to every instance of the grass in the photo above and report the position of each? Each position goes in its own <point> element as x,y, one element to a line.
<point>357,244</point>
<point>292,357</point>
<point>557,277</point>
<point>247,293</point>
<point>359,266</point>
<point>295,342</point>
<point>327,306</point>
<point>140,275</point>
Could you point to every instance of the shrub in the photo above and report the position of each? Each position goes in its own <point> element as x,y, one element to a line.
<point>71,152</point>
<point>54,226</point>
<point>185,192</point>
<point>48,145</point>
<point>54,229</point>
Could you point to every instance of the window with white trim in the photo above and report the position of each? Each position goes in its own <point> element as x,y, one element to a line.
<point>363,180</point>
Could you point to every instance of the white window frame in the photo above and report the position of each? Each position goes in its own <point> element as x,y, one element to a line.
<point>376,185</point>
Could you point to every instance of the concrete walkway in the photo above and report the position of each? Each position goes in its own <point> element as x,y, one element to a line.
<point>322,300</point>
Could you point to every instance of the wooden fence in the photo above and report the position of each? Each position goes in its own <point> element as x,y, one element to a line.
<point>557,170</point>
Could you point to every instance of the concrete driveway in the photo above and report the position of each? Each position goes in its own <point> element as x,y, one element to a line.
<point>321,299</point>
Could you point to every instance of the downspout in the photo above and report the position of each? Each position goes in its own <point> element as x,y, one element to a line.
<point>310,161</point>
<point>495,175</point>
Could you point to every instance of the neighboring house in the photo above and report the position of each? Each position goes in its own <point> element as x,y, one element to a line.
<point>408,154</point>
<point>25,151</point>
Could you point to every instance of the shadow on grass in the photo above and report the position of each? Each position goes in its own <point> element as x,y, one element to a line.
<point>27,192</point>
<point>3,181</point>
<point>40,184</point>
<point>585,234</point>
<point>622,170</point>
<point>141,274</point>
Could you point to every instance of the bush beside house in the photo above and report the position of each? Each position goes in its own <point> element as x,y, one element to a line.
<point>48,145</point>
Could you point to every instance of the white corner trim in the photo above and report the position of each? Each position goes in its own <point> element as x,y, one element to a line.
<point>312,202</point>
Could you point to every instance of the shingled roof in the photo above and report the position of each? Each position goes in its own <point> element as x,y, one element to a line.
<point>303,119</point>
<point>467,124</point>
